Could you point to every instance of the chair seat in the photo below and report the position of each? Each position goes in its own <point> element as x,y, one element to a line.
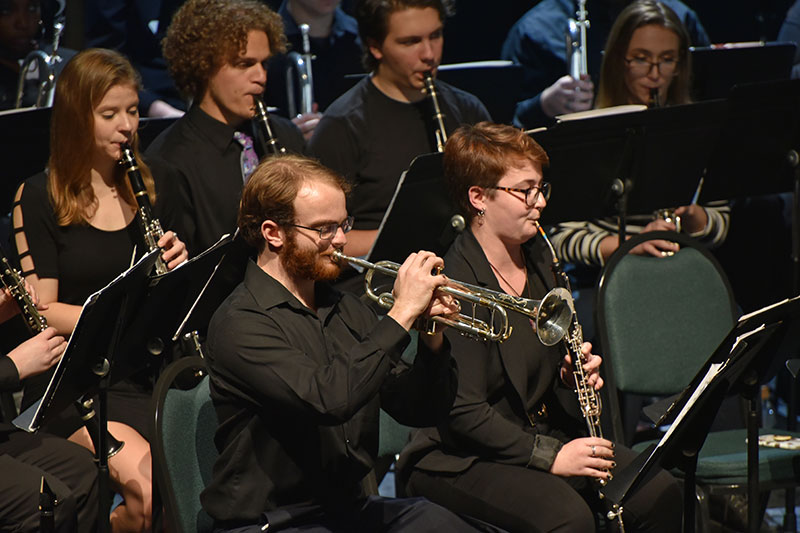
<point>723,459</point>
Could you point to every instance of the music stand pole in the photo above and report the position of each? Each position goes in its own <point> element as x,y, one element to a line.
<point>794,161</point>
<point>789,518</point>
<point>102,368</point>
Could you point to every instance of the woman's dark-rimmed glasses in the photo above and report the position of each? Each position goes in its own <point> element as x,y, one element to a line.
<point>531,193</point>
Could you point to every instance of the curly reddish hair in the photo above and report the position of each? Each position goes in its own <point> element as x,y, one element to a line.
<point>206,34</point>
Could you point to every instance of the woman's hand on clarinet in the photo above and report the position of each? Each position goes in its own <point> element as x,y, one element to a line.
<point>589,457</point>
<point>591,367</point>
<point>174,249</point>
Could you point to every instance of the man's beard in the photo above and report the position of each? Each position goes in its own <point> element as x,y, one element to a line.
<point>307,263</point>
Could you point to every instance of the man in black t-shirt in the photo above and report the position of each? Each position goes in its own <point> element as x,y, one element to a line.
<point>372,132</point>
<point>217,52</point>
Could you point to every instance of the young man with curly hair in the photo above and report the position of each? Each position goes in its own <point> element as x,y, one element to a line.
<point>217,51</point>
<point>371,133</point>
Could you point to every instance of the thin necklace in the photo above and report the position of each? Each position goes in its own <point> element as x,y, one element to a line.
<point>524,269</point>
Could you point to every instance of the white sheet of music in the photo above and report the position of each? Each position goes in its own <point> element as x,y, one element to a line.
<point>713,370</point>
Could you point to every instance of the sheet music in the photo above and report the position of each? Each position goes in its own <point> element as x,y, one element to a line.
<point>713,370</point>
<point>757,311</point>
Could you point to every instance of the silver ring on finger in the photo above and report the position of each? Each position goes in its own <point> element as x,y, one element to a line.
<point>594,451</point>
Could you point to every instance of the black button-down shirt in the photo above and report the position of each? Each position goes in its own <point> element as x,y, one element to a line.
<point>298,393</point>
<point>201,155</point>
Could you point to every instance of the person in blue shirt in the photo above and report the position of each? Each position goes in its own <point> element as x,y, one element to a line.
<point>335,48</point>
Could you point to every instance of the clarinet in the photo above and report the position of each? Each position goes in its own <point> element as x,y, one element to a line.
<point>262,118</point>
<point>654,99</point>
<point>149,224</point>
<point>439,133</point>
<point>588,398</point>
<point>36,323</point>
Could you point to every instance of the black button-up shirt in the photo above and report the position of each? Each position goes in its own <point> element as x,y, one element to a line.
<point>298,393</point>
<point>201,155</point>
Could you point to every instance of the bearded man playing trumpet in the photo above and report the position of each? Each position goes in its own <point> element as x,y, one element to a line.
<point>300,370</point>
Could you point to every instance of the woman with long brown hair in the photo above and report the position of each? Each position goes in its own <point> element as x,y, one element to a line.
<point>75,231</point>
<point>647,48</point>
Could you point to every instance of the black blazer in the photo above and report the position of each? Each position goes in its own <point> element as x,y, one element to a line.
<point>502,386</point>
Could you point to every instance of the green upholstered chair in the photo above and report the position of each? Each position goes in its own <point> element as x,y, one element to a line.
<point>183,444</point>
<point>393,436</point>
<point>659,320</point>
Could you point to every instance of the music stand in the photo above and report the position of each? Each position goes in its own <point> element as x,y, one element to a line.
<point>718,68</point>
<point>420,215</point>
<point>737,363</point>
<point>227,273</point>
<point>758,151</point>
<point>627,163</point>
<point>24,148</point>
<point>481,78</point>
<point>106,345</point>
<point>86,362</point>
<point>149,335</point>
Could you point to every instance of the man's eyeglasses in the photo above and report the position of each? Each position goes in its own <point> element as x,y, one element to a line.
<point>531,193</point>
<point>640,66</point>
<point>328,231</point>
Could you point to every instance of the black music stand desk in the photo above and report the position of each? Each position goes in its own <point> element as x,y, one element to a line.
<point>420,215</point>
<point>740,361</point>
<point>633,162</point>
<point>106,345</point>
<point>85,365</point>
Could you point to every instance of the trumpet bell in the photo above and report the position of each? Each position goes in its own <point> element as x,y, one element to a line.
<point>554,316</point>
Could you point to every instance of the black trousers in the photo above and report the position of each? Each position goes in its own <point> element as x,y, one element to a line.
<point>524,500</point>
<point>382,515</point>
<point>69,471</point>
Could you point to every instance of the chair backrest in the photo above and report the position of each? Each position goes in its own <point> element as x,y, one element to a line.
<point>183,446</point>
<point>660,318</point>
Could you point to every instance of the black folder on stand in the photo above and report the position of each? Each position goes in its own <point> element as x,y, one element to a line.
<point>89,353</point>
<point>654,157</point>
<point>740,360</point>
<point>420,215</point>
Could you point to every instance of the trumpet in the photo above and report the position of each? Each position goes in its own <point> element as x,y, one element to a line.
<point>46,64</point>
<point>576,42</point>
<point>439,133</point>
<point>300,68</point>
<point>551,316</point>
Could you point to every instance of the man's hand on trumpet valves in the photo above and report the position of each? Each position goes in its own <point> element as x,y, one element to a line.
<point>414,288</point>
